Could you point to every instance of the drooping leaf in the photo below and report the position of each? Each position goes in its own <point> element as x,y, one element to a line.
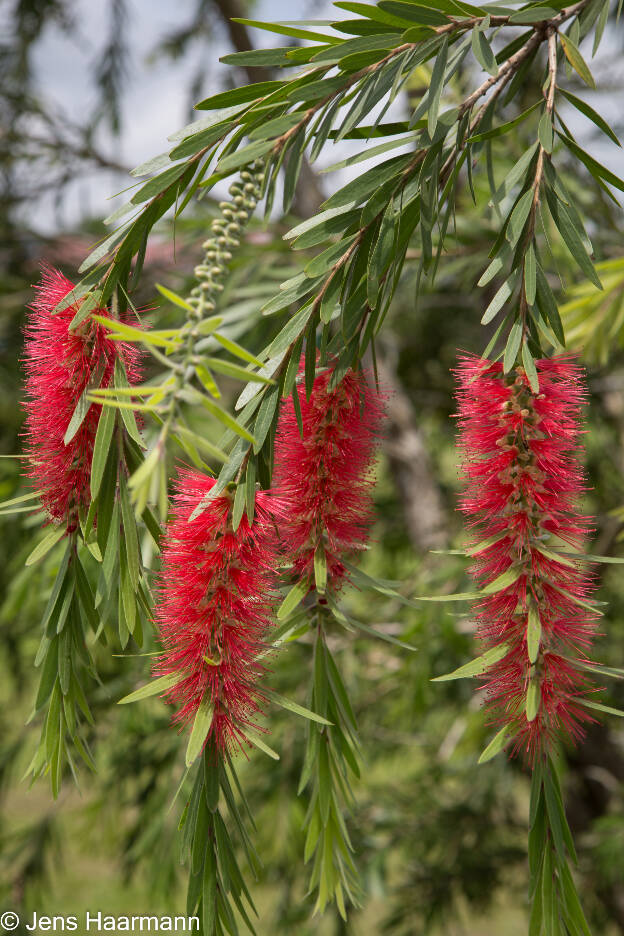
<point>576,60</point>
<point>46,544</point>
<point>497,744</point>
<point>294,707</point>
<point>435,87</point>
<point>200,729</point>
<point>476,667</point>
<point>152,688</point>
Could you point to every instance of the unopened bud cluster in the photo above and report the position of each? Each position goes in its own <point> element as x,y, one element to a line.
<point>225,237</point>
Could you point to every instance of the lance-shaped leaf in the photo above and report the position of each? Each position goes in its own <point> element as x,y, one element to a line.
<point>476,667</point>
<point>199,731</point>
<point>599,707</point>
<point>576,60</point>
<point>533,698</point>
<point>257,741</point>
<point>294,707</point>
<point>83,405</point>
<point>152,688</point>
<point>497,744</point>
<point>534,633</point>
<point>294,598</point>
<point>47,543</point>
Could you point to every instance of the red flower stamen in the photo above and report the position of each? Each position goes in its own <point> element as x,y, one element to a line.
<point>324,473</point>
<point>520,462</point>
<point>59,365</point>
<point>216,597</point>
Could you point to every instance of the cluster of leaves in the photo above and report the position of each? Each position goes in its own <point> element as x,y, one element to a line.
<point>120,600</point>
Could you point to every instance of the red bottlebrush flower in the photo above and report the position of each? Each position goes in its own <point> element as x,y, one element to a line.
<point>324,473</point>
<point>523,478</point>
<point>216,597</point>
<point>59,365</point>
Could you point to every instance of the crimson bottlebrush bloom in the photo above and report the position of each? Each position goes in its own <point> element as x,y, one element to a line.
<point>213,611</point>
<point>324,474</point>
<point>59,365</point>
<point>520,462</point>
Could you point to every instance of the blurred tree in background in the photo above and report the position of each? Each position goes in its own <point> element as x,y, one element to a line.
<point>439,841</point>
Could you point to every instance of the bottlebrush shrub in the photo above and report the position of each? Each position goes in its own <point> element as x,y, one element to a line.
<point>323,473</point>
<point>520,461</point>
<point>215,601</point>
<point>60,366</point>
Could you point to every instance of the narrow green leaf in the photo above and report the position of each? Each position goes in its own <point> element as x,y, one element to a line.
<point>238,507</point>
<point>103,437</point>
<point>235,371</point>
<point>226,419</point>
<point>243,95</point>
<point>495,267</point>
<point>350,622</point>
<point>199,731</point>
<point>294,707</point>
<point>273,128</point>
<point>160,182</point>
<point>532,700</point>
<point>413,12</point>
<point>47,543</point>
<point>512,347</point>
<point>257,741</point>
<point>320,569</point>
<point>545,132</point>
<point>435,87</point>
<point>126,332</point>
<point>237,350</point>
<point>79,290</point>
<point>476,667</point>
<point>589,112</point>
<point>210,913</point>
<point>535,13</point>
<point>196,441</point>
<point>502,581</point>
<point>498,301</point>
<point>503,129</point>
<point>83,405</point>
<point>530,275</point>
<point>598,171</point>
<point>497,743</point>
<point>318,220</point>
<point>152,688</point>
<point>292,600</point>
<point>264,419</point>
<point>130,534</point>
<point>573,240</point>
<point>569,888</point>
<point>599,707</point>
<point>518,217</point>
<point>87,305</point>
<point>33,495</point>
<point>208,381</point>
<point>281,29</point>
<point>173,297</point>
<point>529,367</point>
<point>548,305</point>
<point>244,156</point>
<point>576,60</point>
<point>482,51</point>
<point>534,633</point>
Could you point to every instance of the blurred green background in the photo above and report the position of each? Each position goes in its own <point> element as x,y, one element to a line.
<point>440,842</point>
